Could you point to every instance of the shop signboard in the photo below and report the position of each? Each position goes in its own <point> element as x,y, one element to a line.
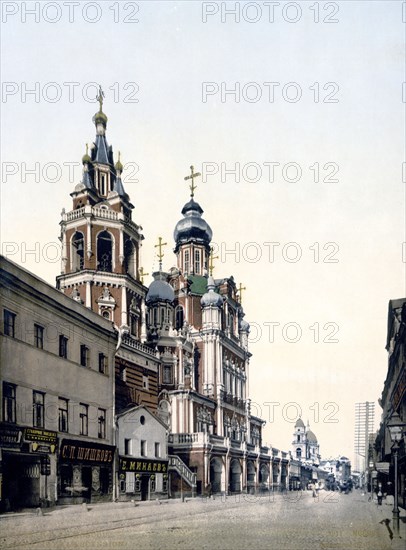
<point>10,436</point>
<point>143,465</point>
<point>73,450</point>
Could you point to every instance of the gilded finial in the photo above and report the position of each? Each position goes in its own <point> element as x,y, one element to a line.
<point>211,261</point>
<point>100,97</point>
<point>239,290</point>
<point>192,176</point>
<point>142,274</point>
<point>160,254</point>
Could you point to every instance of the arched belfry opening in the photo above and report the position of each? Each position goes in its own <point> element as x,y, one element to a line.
<point>104,251</point>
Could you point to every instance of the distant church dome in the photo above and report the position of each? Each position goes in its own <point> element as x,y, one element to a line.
<point>311,438</point>
<point>192,227</point>
<point>211,298</point>
<point>299,423</point>
<point>159,290</point>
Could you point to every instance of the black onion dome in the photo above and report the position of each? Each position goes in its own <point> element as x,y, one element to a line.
<point>159,290</point>
<point>192,227</point>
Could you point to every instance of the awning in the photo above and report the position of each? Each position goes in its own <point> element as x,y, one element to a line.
<point>383,467</point>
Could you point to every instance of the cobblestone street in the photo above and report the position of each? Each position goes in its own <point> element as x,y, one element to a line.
<point>294,521</point>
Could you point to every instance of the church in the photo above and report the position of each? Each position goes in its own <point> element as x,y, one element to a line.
<point>181,361</point>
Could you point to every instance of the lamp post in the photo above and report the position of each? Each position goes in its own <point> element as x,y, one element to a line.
<point>395,427</point>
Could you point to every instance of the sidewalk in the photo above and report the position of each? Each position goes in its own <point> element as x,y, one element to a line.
<point>383,515</point>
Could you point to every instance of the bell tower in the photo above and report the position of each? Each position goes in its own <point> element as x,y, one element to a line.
<point>100,242</point>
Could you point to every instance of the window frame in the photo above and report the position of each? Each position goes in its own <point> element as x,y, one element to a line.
<point>9,403</point>
<point>84,355</point>
<point>63,415</point>
<point>101,423</point>
<point>103,363</point>
<point>38,409</point>
<point>83,419</point>
<point>143,447</point>
<point>9,323</point>
<point>63,346</point>
<point>38,336</point>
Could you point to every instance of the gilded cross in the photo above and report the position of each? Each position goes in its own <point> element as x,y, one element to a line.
<point>160,254</point>
<point>192,176</point>
<point>239,290</point>
<point>100,97</point>
<point>211,261</point>
<point>142,274</point>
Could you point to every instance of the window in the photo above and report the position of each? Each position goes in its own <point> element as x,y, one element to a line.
<point>197,262</point>
<point>127,447</point>
<point>143,448</point>
<point>145,383</point>
<point>104,251</point>
<point>134,325</point>
<point>9,402</point>
<point>179,317</point>
<point>78,247</point>
<point>298,453</point>
<point>187,261</point>
<point>84,419</point>
<point>157,450</point>
<point>9,323</point>
<point>63,415</point>
<point>84,355</point>
<point>38,399</point>
<point>102,363</point>
<point>102,186</point>
<point>167,374</point>
<point>63,346</point>
<point>101,420</point>
<point>39,336</point>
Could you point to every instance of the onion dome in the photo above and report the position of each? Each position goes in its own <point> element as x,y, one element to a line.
<point>159,290</point>
<point>100,118</point>
<point>118,166</point>
<point>299,423</point>
<point>192,228</point>
<point>211,298</point>
<point>86,157</point>
<point>311,438</point>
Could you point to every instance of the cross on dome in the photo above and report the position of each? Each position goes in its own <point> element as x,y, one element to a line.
<point>192,176</point>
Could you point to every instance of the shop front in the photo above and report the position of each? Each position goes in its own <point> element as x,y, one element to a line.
<point>142,479</point>
<point>85,472</point>
<point>28,467</point>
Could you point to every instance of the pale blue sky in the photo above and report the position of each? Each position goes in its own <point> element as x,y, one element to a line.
<point>169,53</point>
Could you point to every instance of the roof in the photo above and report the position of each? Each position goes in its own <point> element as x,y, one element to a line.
<point>299,423</point>
<point>133,408</point>
<point>311,437</point>
<point>198,284</point>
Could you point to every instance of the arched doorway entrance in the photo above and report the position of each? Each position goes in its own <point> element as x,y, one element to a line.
<point>216,469</point>
<point>250,477</point>
<point>235,476</point>
<point>263,477</point>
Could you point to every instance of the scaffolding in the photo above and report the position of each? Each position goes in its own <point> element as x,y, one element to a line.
<point>364,428</point>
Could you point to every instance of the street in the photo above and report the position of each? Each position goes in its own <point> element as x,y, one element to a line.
<point>292,521</point>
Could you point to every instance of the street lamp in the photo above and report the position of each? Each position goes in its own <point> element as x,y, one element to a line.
<point>395,427</point>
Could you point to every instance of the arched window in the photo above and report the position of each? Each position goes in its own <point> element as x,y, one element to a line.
<point>78,249</point>
<point>104,251</point>
<point>298,453</point>
<point>130,257</point>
